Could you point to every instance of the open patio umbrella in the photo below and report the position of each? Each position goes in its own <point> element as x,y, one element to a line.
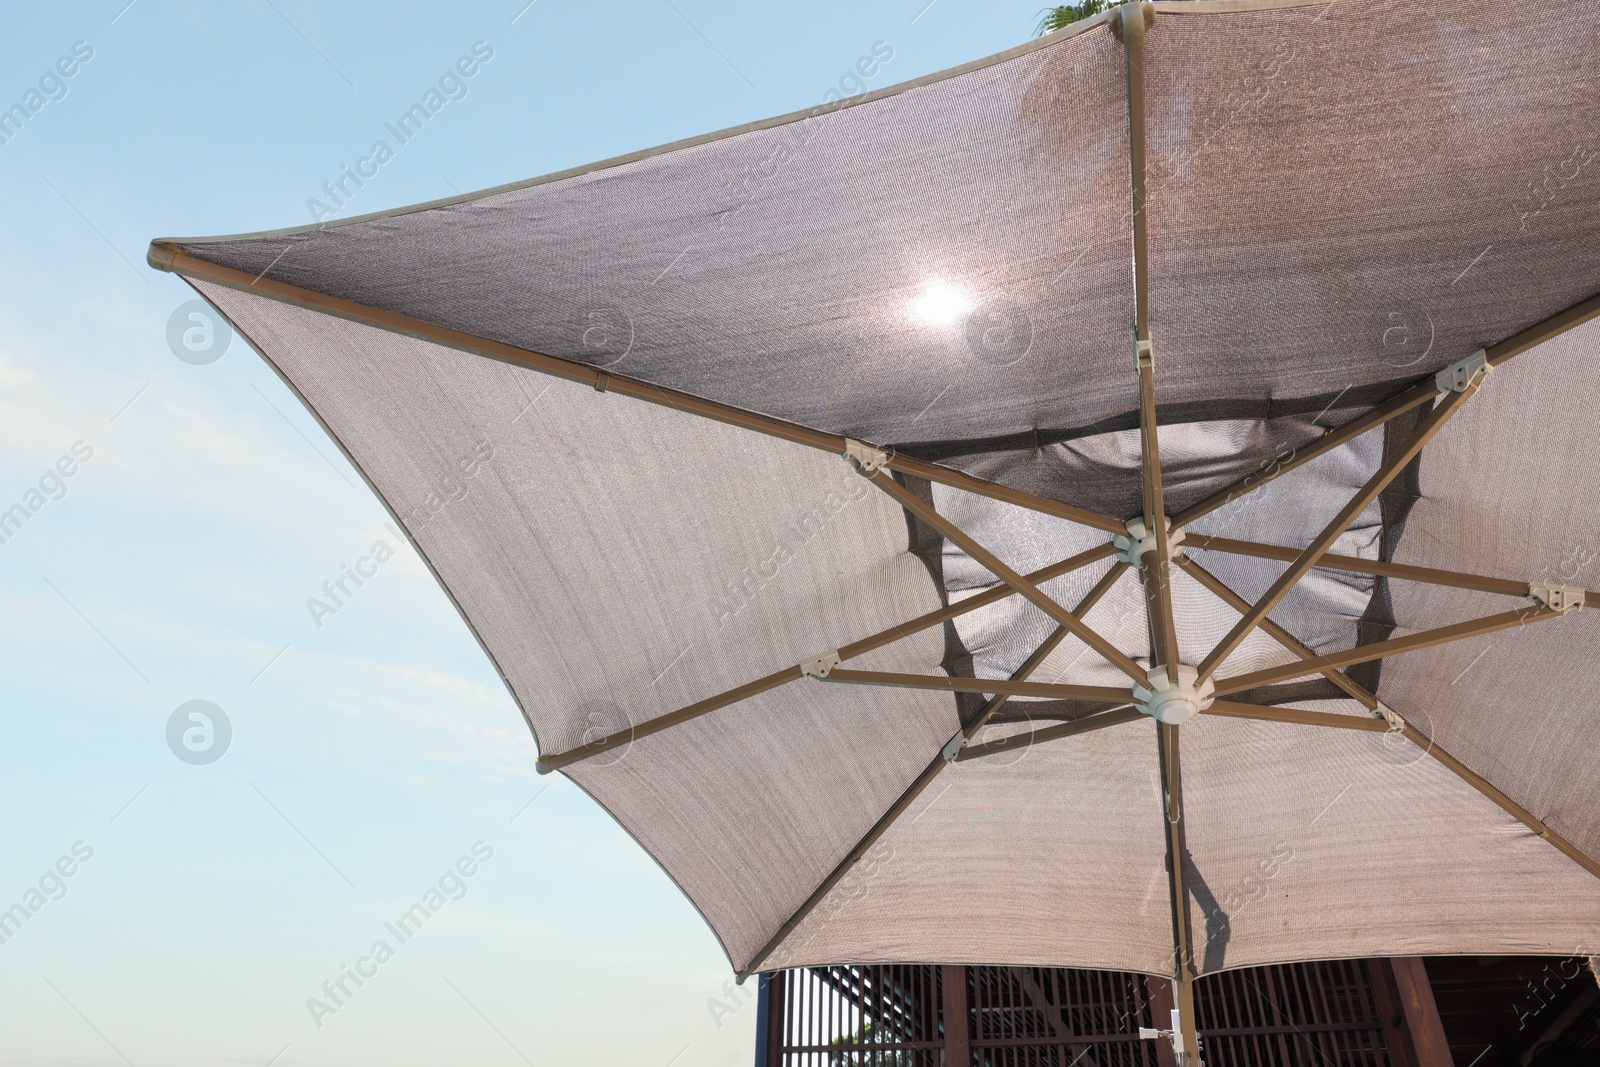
<point>1123,503</point>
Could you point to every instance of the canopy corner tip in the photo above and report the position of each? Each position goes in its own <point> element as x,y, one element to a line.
<point>161,255</point>
<point>1131,31</point>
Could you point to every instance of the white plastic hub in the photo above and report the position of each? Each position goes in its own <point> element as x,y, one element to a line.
<point>1132,546</point>
<point>1174,702</point>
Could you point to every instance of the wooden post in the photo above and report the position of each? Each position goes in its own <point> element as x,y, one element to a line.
<point>771,1005</point>
<point>1412,1028</point>
<point>957,1020</point>
<point>1396,1038</point>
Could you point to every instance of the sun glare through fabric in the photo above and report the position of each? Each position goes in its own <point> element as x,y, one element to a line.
<point>941,304</point>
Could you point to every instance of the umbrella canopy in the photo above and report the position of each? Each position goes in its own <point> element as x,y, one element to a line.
<point>842,496</point>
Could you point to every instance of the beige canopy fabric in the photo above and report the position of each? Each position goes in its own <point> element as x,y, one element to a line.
<point>805,484</point>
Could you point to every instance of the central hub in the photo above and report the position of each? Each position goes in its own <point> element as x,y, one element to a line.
<point>1141,540</point>
<point>1173,702</point>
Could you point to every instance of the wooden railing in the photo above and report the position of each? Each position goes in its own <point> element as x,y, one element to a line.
<point>1351,1012</point>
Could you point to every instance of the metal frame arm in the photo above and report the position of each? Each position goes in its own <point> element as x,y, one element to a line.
<point>911,502</point>
<point>1088,724</point>
<point>1297,716</point>
<point>1377,568</point>
<point>1273,713</point>
<point>944,683</point>
<point>1413,397</point>
<point>1397,405</point>
<point>1387,471</point>
<point>1238,683</point>
<point>1276,632</point>
<point>171,258</point>
<point>1035,660</point>
<point>1511,807</point>
<point>556,761</point>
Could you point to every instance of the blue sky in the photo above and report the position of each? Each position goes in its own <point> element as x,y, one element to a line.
<point>207,903</point>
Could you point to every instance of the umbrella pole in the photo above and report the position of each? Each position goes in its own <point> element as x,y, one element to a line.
<point>1131,23</point>
<point>1185,1042</point>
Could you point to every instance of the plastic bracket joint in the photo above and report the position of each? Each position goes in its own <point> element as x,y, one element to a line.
<point>820,666</point>
<point>1562,598</point>
<point>1460,377</point>
<point>1389,715</point>
<point>952,748</point>
<point>864,458</point>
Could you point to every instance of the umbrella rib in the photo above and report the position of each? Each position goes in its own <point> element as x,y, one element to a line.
<point>1487,788</point>
<point>1399,404</point>
<point>1087,724</point>
<point>1406,571</point>
<point>1387,471</point>
<point>1036,659</point>
<point>955,479</point>
<point>1273,713</point>
<point>1392,647</point>
<point>1378,416</point>
<point>170,258</point>
<point>1273,630</point>
<point>947,684</point>
<point>883,480</point>
<point>923,780</point>
<point>558,760</point>
<point>1297,716</point>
